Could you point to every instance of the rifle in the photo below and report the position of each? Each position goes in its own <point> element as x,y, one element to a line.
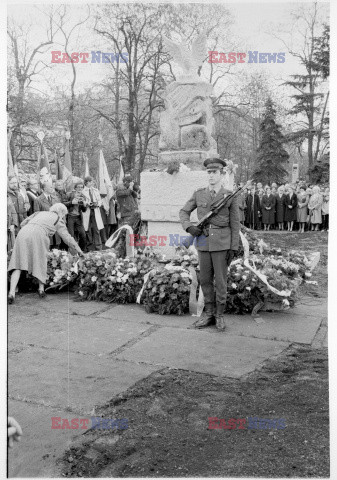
<point>214,210</point>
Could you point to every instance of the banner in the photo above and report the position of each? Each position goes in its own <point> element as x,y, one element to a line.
<point>43,169</point>
<point>67,175</point>
<point>59,168</point>
<point>104,184</point>
<point>12,168</point>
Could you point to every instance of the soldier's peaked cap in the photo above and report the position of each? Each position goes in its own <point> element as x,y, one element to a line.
<point>216,163</point>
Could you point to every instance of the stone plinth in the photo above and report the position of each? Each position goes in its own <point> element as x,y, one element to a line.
<point>162,197</point>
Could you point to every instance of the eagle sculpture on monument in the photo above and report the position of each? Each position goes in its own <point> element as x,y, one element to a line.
<point>188,60</point>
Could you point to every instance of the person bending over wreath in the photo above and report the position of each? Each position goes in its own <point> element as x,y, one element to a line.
<point>32,245</point>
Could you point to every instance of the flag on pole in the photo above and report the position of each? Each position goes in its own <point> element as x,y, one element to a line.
<point>43,169</point>
<point>86,166</point>
<point>12,170</point>
<point>104,183</point>
<point>59,167</point>
<point>121,171</point>
<point>67,175</point>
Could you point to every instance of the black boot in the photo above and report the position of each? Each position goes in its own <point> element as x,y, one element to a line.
<point>207,317</point>
<point>220,317</point>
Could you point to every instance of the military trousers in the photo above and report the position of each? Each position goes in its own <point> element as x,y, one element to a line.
<point>213,265</point>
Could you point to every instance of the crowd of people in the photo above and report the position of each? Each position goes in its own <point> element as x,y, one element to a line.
<point>91,217</point>
<point>296,206</point>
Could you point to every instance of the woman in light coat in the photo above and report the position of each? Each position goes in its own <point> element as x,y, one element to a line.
<point>32,246</point>
<point>280,207</point>
<point>315,208</point>
<point>302,208</point>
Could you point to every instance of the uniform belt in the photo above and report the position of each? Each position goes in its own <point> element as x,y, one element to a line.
<point>213,227</point>
<point>219,226</point>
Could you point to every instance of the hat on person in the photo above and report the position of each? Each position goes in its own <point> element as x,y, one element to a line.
<point>214,163</point>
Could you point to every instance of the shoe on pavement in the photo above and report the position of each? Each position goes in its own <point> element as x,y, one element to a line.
<point>207,317</point>
<point>220,317</point>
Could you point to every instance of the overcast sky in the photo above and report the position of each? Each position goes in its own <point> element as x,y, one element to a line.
<point>252,22</point>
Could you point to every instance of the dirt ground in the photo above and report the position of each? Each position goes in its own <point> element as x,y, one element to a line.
<point>168,414</point>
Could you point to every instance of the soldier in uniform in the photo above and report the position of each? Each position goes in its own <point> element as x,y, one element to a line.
<point>220,241</point>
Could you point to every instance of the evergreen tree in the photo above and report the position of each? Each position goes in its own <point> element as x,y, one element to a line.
<point>321,53</point>
<point>271,156</point>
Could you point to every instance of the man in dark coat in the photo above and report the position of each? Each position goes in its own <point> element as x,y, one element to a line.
<point>216,244</point>
<point>18,201</point>
<point>76,204</point>
<point>127,202</point>
<point>253,208</point>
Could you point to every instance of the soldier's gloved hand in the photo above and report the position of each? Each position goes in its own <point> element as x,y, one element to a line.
<point>230,255</point>
<point>193,230</point>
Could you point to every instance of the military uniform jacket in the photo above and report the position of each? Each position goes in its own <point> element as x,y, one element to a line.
<point>224,227</point>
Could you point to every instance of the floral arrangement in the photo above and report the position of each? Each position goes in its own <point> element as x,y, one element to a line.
<point>104,276</point>
<point>167,290</point>
<point>111,277</point>
<point>243,291</point>
<point>61,269</point>
<point>246,289</point>
<point>185,257</point>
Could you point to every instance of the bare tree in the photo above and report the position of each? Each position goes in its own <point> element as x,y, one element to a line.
<point>27,65</point>
<point>67,30</point>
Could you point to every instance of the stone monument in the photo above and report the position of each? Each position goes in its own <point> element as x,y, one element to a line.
<point>186,140</point>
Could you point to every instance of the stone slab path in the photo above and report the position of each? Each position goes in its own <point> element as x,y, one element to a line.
<point>65,357</point>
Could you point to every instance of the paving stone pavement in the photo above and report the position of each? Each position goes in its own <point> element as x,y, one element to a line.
<point>65,357</point>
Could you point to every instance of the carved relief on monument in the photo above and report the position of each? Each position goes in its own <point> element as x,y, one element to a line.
<point>187,122</point>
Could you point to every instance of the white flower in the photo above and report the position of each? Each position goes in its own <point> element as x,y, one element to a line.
<point>119,280</point>
<point>244,277</point>
<point>93,279</point>
<point>285,302</point>
<point>80,293</point>
<point>186,257</point>
<point>51,283</point>
<point>248,288</point>
<point>125,277</point>
<point>234,285</point>
<point>119,274</point>
<point>308,274</point>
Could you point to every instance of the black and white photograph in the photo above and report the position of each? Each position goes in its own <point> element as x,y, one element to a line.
<point>168,224</point>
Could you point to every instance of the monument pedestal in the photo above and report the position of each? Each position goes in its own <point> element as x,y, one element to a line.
<point>162,197</point>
